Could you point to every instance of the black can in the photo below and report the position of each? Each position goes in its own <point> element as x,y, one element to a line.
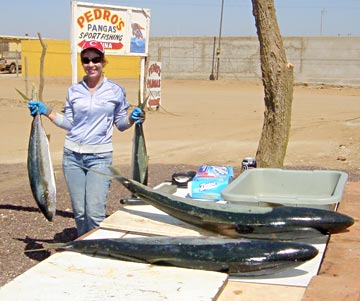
<point>248,163</point>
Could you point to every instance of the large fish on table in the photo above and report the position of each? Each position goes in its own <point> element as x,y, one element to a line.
<point>234,256</point>
<point>283,223</point>
<point>40,169</point>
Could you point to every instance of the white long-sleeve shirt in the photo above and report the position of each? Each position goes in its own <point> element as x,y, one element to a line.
<point>89,117</point>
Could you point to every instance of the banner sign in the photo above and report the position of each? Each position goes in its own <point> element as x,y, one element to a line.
<point>121,30</point>
<point>153,85</point>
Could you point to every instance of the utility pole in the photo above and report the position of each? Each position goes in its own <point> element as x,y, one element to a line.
<point>321,20</point>
<point>212,76</point>
<point>218,49</point>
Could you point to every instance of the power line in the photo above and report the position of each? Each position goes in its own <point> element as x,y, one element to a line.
<point>323,11</point>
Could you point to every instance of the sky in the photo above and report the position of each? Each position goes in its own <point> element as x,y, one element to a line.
<point>175,18</point>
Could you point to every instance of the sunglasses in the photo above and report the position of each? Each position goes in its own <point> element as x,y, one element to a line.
<point>87,60</point>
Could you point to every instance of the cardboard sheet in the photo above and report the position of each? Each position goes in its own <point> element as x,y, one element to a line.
<point>147,220</point>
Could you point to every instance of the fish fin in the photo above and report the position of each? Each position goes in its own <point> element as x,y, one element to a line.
<point>49,246</point>
<point>115,171</point>
<point>97,172</point>
<point>270,204</point>
<point>22,95</point>
<point>128,258</point>
<point>36,250</point>
<point>279,233</point>
<point>34,92</point>
<point>226,231</point>
<point>116,174</point>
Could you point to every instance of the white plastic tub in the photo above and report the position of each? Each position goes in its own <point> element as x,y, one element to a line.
<point>303,188</point>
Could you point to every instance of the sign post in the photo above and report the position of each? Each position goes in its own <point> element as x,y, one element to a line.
<point>153,85</point>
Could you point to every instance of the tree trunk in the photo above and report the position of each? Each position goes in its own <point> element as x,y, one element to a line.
<point>277,78</point>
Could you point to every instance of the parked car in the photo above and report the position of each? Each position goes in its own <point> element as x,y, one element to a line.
<point>2,64</point>
<point>9,61</point>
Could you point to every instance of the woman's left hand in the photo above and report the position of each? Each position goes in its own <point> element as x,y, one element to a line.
<point>137,116</point>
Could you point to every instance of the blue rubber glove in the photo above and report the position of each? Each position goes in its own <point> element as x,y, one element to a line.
<point>36,106</point>
<point>137,116</point>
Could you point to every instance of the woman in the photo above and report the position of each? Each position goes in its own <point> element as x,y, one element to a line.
<point>93,106</point>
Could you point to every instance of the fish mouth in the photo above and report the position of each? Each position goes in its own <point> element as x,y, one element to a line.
<point>265,269</point>
<point>341,223</point>
<point>288,258</point>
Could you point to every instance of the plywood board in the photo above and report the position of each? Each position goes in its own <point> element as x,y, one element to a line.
<point>146,219</point>
<point>74,276</point>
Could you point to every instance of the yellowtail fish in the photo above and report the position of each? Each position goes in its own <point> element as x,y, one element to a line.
<point>40,169</point>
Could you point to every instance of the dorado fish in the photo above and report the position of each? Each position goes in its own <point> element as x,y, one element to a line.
<point>283,222</point>
<point>40,169</point>
<point>139,161</point>
<point>234,256</point>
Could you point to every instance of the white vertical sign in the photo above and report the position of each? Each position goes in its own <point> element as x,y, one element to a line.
<point>153,85</point>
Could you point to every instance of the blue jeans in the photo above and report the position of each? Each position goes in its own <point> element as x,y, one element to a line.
<point>88,190</point>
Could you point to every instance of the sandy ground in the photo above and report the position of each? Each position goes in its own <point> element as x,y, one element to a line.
<point>206,122</point>
<point>200,122</point>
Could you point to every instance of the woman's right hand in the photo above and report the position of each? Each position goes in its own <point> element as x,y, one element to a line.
<point>36,106</point>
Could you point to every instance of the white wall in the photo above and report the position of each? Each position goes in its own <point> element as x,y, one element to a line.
<point>331,60</point>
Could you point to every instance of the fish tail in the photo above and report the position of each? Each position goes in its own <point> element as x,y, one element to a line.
<point>25,98</point>
<point>96,171</point>
<point>50,246</point>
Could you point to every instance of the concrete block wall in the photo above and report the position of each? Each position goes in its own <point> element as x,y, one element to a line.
<point>330,60</point>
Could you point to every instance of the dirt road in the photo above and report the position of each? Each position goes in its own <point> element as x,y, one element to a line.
<point>213,122</point>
